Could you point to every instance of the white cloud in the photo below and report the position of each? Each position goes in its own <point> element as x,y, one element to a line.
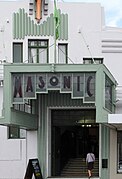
<point>113,12</point>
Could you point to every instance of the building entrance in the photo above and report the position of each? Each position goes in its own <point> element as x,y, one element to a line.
<point>72,136</point>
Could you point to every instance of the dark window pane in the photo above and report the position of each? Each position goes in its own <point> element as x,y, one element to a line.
<point>16,133</point>
<point>17,52</point>
<point>13,132</point>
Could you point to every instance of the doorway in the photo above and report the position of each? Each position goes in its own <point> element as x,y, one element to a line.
<point>73,133</point>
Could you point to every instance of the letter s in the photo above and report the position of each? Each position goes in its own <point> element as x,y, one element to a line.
<point>41,83</point>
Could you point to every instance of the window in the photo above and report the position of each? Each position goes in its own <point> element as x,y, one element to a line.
<point>62,53</point>
<point>16,133</point>
<point>17,52</point>
<point>30,106</point>
<point>38,51</point>
<point>119,151</point>
<point>108,93</point>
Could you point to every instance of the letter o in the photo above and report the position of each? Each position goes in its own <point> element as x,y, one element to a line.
<point>53,80</point>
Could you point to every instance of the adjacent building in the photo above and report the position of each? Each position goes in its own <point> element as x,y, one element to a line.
<point>60,89</point>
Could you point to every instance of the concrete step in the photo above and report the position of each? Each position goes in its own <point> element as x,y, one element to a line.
<point>77,167</point>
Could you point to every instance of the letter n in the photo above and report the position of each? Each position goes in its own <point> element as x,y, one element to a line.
<point>67,82</point>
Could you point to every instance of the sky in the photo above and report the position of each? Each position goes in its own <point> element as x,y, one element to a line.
<point>112,8</point>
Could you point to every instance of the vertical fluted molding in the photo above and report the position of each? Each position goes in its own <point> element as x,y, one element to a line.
<point>20,23</point>
<point>14,26</point>
<point>51,25</point>
<point>23,26</point>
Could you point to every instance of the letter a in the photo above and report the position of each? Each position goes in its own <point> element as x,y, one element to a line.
<point>29,85</point>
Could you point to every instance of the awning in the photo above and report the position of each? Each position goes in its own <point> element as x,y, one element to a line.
<point>115,120</point>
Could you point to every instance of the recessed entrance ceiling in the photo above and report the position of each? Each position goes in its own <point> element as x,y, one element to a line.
<point>73,117</point>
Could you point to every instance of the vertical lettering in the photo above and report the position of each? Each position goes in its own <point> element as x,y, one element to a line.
<point>18,87</point>
<point>41,83</point>
<point>29,85</point>
<point>54,81</point>
<point>67,82</point>
<point>78,83</point>
<point>88,86</point>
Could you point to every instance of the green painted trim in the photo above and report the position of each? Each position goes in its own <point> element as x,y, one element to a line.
<point>105,151</point>
<point>24,26</point>
<point>100,94</point>
<point>47,102</point>
<point>11,117</point>
<point>24,120</point>
<point>29,67</point>
<point>7,117</point>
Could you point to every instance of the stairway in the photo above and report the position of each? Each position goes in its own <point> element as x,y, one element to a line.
<point>76,167</point>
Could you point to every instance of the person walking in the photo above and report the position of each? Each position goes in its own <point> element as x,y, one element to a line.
<point>90,159</point>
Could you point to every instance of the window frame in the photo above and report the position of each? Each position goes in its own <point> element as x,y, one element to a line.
<point>66,55</point>
<point>16,132</point>
<point>21,44</point>
<point>29,104</point>
<point>38,47</point>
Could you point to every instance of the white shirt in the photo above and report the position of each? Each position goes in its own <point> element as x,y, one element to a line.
<point>90,157</point>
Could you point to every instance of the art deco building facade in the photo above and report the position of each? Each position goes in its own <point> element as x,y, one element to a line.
<point>60,89</point>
